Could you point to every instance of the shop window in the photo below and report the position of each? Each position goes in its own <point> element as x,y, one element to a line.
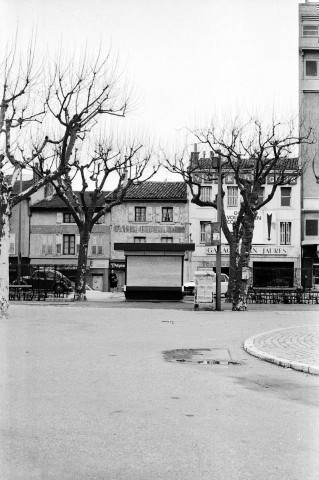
<point>140,214</point>
<point>206,194</point>
<point>285,233</point>
<point>68,218</point>
<point>232,196</point>
<point>203,227</point>
<point>310,30</point>
<point>311,68</point>
<point>167,214</point>
<point>167,240</point>
<point>285,196</point>
<point>139,239</point>
<point>311,227</point>
<point>68,244</point>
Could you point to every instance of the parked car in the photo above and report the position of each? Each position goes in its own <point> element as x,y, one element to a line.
<point>49,279</point>
<point>189,287</point>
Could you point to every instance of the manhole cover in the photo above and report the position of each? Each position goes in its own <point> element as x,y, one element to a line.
<point>203,356</point>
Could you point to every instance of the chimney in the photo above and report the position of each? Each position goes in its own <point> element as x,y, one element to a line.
<point>195,153</point>
<point>36,177</point>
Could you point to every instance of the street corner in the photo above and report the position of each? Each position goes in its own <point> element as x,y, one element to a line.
<point>293,347</point>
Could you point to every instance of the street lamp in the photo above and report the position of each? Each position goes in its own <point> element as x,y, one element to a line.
<point>216,230</point>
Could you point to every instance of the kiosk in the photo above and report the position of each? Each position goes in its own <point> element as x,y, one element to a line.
<point>154,271</point>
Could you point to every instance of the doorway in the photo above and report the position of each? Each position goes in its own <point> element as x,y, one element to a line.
<point>97,282</point>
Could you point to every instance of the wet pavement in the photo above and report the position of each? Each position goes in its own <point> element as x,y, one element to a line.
<point>88,394</point>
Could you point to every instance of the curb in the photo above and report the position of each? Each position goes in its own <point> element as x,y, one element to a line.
<point>282,362</point>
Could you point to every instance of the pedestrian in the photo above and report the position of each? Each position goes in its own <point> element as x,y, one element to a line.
<point>113,281</point>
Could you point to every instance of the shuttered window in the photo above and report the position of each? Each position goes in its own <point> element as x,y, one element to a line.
<point>285,233</point>
<point>167,214</point>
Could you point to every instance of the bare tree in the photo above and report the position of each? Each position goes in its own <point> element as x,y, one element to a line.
<point>21,123</point>
<point>127,165</point>
<point>251,151</point>
<point>80,98</point>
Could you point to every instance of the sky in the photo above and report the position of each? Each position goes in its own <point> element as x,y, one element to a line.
<point>188,60</point>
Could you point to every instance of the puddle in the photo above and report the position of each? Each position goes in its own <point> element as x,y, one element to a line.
<point>201,356</point>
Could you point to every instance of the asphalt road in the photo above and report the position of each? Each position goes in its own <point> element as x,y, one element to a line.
<point>87,395</point>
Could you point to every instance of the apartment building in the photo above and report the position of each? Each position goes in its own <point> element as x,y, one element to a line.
<point>276,241</point>
<point>309,117</point>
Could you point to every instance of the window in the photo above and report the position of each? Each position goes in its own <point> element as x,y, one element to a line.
<point>68,244</point>
<point>167,240</point>
<point>48,190</point>
<point>46,244</point>
<point>232,196</point>
<point>310,30</point>
<point>96,245</point>
<point>12,244</point>
<point>140,214</point>
<point>285,233</point>
<point>312,227</point>
<point>203,226</point>
<point>261,192</point>
<point>311,68</point>
<point>68,218</point>
<point>285,196</point>
<point>206,194</point>
<point>139,239</point>
<point>167,214</point>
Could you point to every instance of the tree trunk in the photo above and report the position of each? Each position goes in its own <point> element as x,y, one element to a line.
<point>80,282</point>
<point>241,287</point>
<point>4,255</point>
<point>233,255</point>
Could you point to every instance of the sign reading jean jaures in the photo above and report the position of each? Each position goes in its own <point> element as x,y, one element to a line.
<point>148,229</point>
<point>260,250</point>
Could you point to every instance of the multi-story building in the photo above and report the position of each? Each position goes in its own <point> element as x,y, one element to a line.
<point>152,212</point>
<point>276,241</point>
<point>20,231</point>
<point>55,239</point>
<point>309,117</point>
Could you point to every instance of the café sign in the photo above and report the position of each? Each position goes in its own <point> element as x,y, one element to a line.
<point>255,250</point>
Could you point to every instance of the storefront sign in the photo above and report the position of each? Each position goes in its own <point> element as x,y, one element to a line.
<point>231,217</point>
<point>148,229</point>
<point>272,178</point>
<point>260,250</point>
<point>99,264</point>
<point>117,265</point>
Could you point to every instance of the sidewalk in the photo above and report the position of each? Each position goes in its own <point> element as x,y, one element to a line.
<point>296,347</point>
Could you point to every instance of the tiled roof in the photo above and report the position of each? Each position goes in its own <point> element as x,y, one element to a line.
<point>55,202</point>
<point>16,187</point>
<point>170,191</point>
<point>157,191</point>
<point>206,163</point>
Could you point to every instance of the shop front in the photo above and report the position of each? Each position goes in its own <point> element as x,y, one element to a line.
<point>118,267</point>
<point>270,266</point>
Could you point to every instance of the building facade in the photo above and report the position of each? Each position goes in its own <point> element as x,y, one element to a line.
<point>309,117</point>
<point>152,212</point>
<point>55,240</point>
<point>276,241</point>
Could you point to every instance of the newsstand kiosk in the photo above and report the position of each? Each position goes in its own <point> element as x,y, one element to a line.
<point>154,271</point>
